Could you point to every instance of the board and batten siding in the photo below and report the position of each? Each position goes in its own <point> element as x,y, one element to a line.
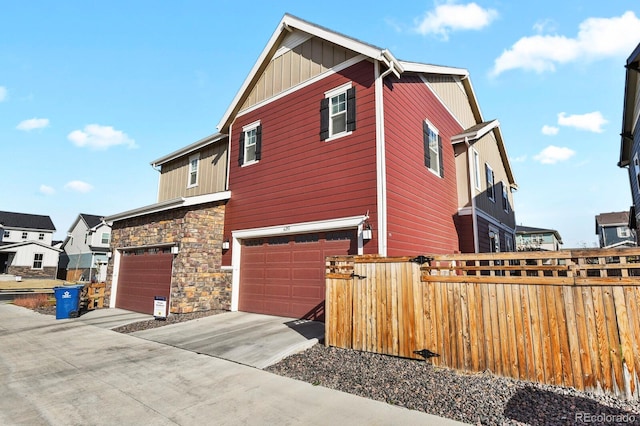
<point>24,256</point>
<point>450,91</point>
<point>306,60</point>
<point>421,206</point>
<point>301,178</point>
<point>211,174</point>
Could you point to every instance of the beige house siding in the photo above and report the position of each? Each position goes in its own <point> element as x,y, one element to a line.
<point>463,174</point>
<point>449,89</point>
<point>212,177</point>
<point>306,60</point>
<point>489,154</point>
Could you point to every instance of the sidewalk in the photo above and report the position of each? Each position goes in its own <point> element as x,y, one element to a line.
<point>62,372</point>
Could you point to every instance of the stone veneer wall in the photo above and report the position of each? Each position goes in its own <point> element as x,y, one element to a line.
<point>47,272</point>
<point>197,282</point>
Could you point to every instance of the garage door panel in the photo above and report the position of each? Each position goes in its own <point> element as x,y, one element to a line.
<point>293,270</point>
<point>278,257</point>
<point>307,292</point>
<point>278,273</point>
<point>143,276</point>
<point>277,290</point>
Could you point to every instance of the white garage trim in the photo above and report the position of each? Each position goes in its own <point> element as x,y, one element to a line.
<point>353,222</point>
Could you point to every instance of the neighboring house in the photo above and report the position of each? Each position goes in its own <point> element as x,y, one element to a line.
<point>630,135</point>
<point>331,146</point>
<point>535,239</point>
<point>25,247</point>
<point>613,230</point>
<point>86,249</point>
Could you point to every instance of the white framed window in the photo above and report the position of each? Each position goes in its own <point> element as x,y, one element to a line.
<point>41,236</point>
<point>475,157</point>
<point>505,197</point>
<point>508,240</point>
<point>194,167</point>
<point>432,148</point>
<point>105,238</point>
<point>490,183</point>
<point>494,239</point>
<point>37,260</point>
<point>250,144</point>
<point>623,232</point>
<point>24,235</point>
<point>338,112</point>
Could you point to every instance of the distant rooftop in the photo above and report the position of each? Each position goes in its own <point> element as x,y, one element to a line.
<point>25,220</point>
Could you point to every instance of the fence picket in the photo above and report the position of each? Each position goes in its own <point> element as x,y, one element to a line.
<point>569,318</point>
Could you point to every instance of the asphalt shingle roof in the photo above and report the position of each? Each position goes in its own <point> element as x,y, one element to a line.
<point>26,220</point>
<point>91,219</point>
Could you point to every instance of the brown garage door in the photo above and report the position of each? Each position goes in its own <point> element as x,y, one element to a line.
<point>285,275</point>
<point>144,274</point>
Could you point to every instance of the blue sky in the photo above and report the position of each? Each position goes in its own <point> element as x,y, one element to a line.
<point>92,92</point>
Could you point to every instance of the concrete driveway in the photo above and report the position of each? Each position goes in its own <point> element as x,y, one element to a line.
<point>67,372</point>
<point>250,339</point>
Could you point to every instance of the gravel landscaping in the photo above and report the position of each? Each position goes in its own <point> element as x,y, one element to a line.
<point>475,398</point>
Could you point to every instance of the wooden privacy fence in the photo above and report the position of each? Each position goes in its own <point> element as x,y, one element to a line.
<point>568,318</point>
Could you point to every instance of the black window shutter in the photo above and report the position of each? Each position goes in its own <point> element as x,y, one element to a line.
<point>258,142</point>
<point>324,118</point>
<point>440,156</point>
<point>241,150</point>
<point>425,140</point>
<point>351,109</point>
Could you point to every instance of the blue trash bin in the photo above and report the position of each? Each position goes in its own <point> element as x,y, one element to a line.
<point>67,301</point>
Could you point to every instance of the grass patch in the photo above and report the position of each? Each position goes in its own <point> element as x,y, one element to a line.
<point>34,301</point>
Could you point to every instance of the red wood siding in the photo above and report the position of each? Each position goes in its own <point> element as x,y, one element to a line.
<point>421,206</point>
<point>299,177</point>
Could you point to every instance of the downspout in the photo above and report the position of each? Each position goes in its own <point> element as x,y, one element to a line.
<point>159,170</point>
<point>472,187</point>
<point>381,162</point>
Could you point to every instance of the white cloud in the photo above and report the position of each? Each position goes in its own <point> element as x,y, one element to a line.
<point>450,16</point>
<point>95,136</point>
<point>549,130</point>
<point>47,190</point>
<point>520,159</point>
<point>553,154</point>
<point>33,123</point>
<point>544,26</point>
<point>597,38</point>
<point>591,122</point>
<point>78,186</point>
<point>3,93</point>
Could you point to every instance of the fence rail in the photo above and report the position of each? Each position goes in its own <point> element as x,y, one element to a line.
<point>569,318</point>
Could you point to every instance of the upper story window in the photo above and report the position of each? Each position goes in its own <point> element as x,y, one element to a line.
<point>194,166</point>
<point>105,238</point>
<point>338,112</point>
<point>623,232</point>
<point>432,148</point>
<point>505,197</point>
<point>24,235</point>
<point>250,144</point>
<point>476,168</point>
<point>490,189</point>
<point>41,236</point>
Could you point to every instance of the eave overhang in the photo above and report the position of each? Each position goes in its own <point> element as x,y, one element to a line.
<point>168,205</point>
